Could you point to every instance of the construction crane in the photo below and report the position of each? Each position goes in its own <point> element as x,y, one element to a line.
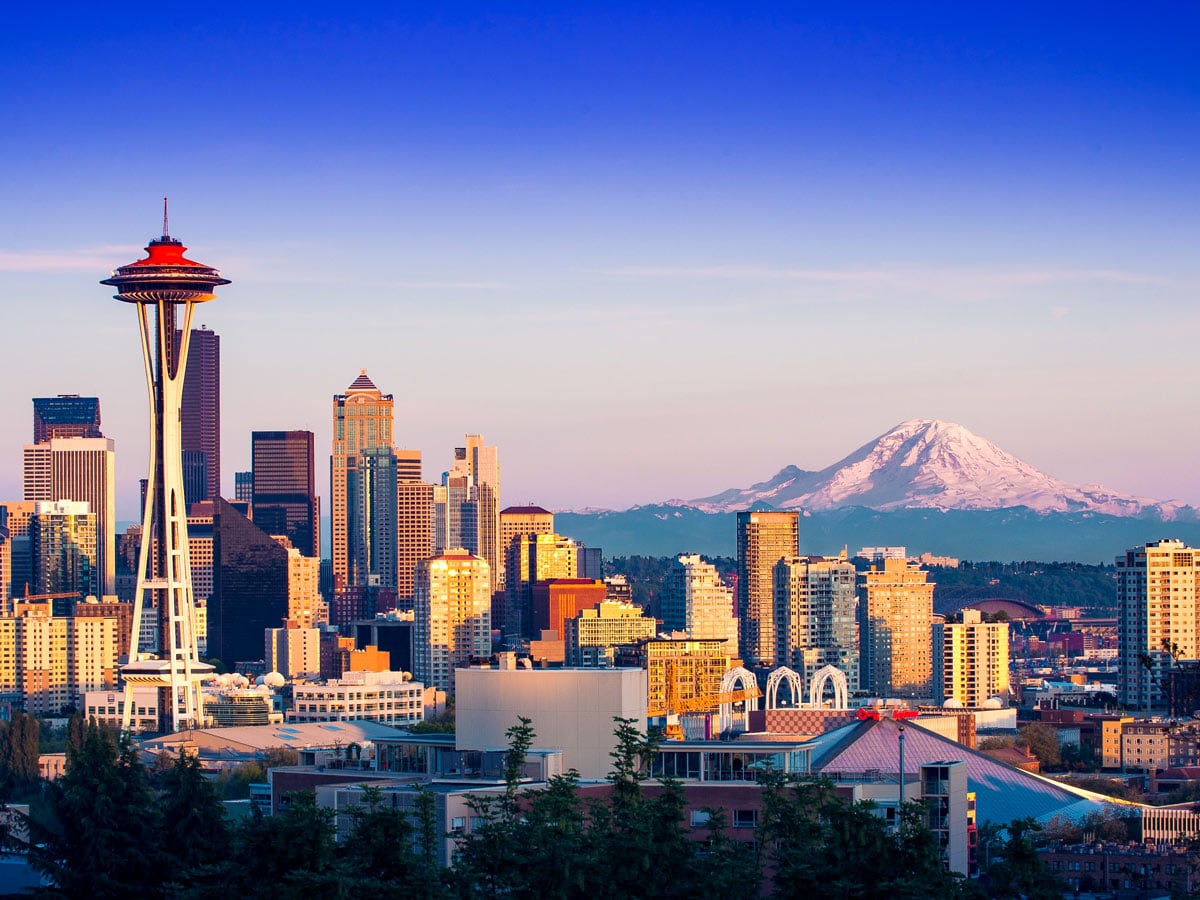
<point>674,706</point>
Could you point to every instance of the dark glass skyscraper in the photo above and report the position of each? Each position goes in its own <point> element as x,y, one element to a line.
<point>67,415</point>
<point>371,527</point>
<point>200,415</point>
<point>283,482</point>
<point>250,586</point>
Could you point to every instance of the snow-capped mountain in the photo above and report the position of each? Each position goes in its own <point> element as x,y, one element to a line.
<point>924,463</point>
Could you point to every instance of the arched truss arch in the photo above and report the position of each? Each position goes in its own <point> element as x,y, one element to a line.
<point>794,683</point>
<point>841,688</point>
<point>741,679</point>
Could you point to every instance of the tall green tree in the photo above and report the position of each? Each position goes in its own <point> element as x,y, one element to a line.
<point>194,830</point>
<point>97,832</point>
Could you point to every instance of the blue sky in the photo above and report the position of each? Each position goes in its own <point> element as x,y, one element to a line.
<point>649,251</point>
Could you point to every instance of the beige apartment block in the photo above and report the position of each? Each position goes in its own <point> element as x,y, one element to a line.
<point>897,616</point>
<point>452,610</point>
<point>974,659</point>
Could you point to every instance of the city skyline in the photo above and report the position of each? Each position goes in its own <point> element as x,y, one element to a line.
<point>983,218</point>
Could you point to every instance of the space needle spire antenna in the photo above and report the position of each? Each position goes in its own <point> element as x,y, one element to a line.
<point>164,288</point>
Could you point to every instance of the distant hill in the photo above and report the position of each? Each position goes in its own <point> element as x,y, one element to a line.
<point>1004,534</point>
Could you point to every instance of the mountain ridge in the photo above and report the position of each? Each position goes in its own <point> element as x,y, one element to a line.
<point>931,464</point>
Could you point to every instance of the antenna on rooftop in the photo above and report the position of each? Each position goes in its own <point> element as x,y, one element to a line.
<point>166,233</point>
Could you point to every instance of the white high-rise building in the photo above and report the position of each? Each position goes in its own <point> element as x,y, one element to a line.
<point>452,608</point>
<point>1157,589</point>
<point>816,615</point>
<point>973,657</point>
<point>696,602</point>
<point>80,469</point>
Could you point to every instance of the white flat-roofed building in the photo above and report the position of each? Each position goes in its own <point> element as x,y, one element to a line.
<point>571,710</point>
<point>383,697</point>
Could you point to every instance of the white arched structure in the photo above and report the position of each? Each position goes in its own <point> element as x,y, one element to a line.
<point>738,679</point>
<point>841,688</point>
<point>795,687</point>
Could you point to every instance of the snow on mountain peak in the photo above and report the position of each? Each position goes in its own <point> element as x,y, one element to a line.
<point>927,463</point>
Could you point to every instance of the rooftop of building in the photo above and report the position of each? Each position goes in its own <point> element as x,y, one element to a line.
<point>244,739</point>
<point>524,511</point>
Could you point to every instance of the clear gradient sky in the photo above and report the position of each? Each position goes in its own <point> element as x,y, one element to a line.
<point>649,250</point>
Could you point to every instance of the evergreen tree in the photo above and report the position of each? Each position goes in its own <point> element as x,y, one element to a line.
<point>97,832</point>
<point>195,832</point>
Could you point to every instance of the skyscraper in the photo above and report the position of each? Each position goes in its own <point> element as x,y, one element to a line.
<point>816,615</point>
<point>160,287</point>
<point>65,416</point>
<point>696,602</point>
<point>763,538</point>
<point>63,543</point>
<point>971,659</point>
<point>250,586</point>
<point>1158,588</point>
<point>452,616</point>
<point>84,469</point>
<point>362,420</point>
<point>897,631</point>
<point>283,484</point>
<point>414,533</point>
<point>200,414</point>
<point>371,518</point>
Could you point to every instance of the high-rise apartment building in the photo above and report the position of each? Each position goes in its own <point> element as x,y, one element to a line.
<point>1157,589</point>
<point>283,487</point>
<point>51,660</point>
<point>816,615</point>
<point>80,469</point>
<point>696,601</point>
<point>897,636</point>
<point>65,416</point>
<point>763,538</point>
<point>362,420</point>
<point>452,616</point>
<point>200,413</point>
<point>63,544</point>
<point>971,659</point>
<point>305,607</point>
<point>292,650</point>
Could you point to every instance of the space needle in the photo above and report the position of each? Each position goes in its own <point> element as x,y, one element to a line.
<point>165,288</point>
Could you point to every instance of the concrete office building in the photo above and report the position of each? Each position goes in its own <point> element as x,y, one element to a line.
<point>570,709</point>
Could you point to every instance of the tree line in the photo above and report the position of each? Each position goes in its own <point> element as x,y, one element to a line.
<point>109,828</point>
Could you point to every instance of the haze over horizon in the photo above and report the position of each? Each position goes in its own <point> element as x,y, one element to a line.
<point>647,255</point>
